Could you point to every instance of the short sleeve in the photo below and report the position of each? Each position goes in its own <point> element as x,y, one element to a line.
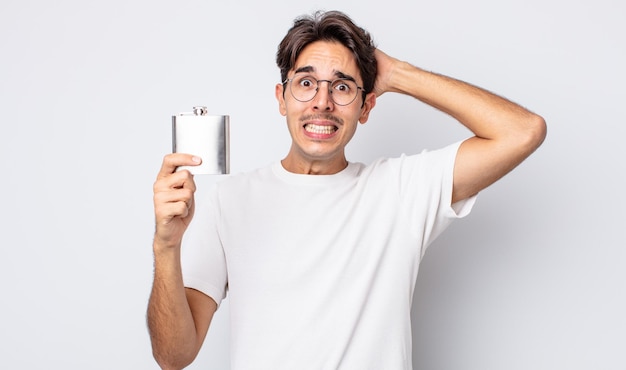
<point>202,255</point>
<point>429,188</point>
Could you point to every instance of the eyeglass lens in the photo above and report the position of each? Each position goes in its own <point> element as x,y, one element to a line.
<point>305,87</point>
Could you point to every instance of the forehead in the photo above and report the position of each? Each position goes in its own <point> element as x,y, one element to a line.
<point>327,58</point>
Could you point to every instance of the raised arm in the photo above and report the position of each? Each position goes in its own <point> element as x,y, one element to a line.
<point>505,133</point>
<point>178,318</point>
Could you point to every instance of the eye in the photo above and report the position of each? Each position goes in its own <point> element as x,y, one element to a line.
<point>343,86</point>
<point>305,82</point>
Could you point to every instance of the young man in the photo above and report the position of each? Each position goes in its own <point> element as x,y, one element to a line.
<point>320,255</point>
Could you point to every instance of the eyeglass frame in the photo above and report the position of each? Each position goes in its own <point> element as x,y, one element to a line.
<point>330,83</point>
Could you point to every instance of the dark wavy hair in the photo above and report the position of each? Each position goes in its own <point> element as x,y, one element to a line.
<point>329,26</point>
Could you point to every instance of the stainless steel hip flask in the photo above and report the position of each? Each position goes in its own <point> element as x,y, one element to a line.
<point>205,136</point>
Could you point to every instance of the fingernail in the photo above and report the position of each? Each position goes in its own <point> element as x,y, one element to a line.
<point>196,159</point>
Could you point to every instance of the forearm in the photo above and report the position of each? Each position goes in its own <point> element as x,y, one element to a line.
<point>170,321</point>
<point>487,115</point>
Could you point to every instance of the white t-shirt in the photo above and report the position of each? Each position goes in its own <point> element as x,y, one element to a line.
<point>320,269</point>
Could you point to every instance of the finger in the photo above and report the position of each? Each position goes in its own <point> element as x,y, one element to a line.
<point>170,212</point>
<point>173,196</point>
<point>177,180</point>
<point>173,160</point>
<point>168,205</point>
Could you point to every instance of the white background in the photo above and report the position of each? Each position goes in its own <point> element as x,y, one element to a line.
<point>534,278</point>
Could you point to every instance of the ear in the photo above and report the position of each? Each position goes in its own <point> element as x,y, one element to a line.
<point>279,93</point>
<point>370,102</point>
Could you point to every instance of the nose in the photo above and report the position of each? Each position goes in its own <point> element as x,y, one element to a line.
<point>323,98</point>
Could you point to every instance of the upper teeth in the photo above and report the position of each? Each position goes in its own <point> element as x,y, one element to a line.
<point>317,129</point>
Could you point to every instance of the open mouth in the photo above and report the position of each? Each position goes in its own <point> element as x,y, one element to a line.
<point>320,129</point>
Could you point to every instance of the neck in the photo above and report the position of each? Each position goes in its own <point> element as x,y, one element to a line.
<point>314,167</point>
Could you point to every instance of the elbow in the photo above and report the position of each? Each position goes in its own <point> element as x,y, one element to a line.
<point>541,129</point>
<point>170,358</point>
<point>534,133</point>
<point>166,363</point>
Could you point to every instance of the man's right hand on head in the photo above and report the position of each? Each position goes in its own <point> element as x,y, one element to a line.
<point>173,199</point>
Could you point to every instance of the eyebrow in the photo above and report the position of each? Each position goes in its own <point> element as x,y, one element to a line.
<point>338,74</point>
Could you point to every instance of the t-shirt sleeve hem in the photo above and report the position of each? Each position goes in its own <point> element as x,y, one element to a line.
<point>463,207</point>
<point>208,289</point>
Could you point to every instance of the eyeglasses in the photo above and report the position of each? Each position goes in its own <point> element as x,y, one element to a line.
<point>304,87</point>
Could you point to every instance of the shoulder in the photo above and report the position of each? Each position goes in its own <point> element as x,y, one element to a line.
<point>426,159</point>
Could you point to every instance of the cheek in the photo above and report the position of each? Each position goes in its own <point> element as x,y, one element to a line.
<point>350,131</point>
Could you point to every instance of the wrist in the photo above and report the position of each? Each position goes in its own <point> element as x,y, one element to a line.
<point>405,78</point>
<point>164,247</point>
